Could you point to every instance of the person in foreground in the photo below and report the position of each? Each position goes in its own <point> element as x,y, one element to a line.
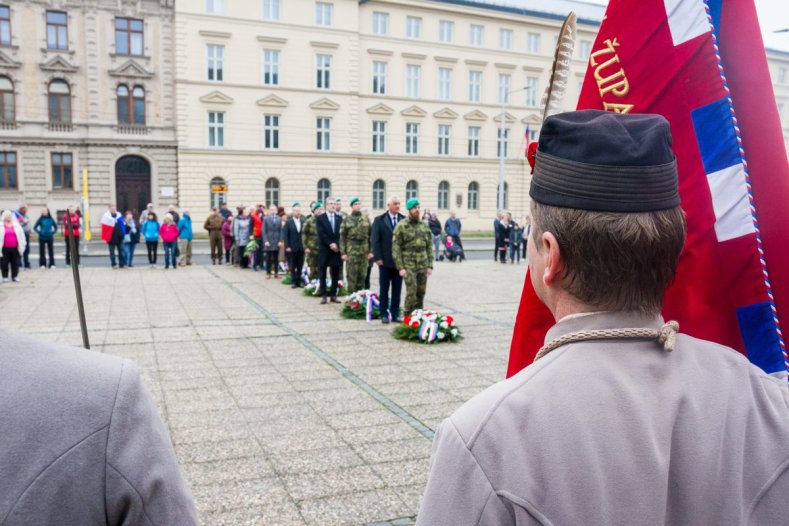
<point>620,419</point>
<point>81,441</point>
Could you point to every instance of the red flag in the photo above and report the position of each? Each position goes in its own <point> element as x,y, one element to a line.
<point>702,65</point>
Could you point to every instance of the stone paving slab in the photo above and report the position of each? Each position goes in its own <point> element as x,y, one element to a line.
<point>280,411</point>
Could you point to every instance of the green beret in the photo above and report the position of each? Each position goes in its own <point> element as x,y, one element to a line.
<point>295,204</point>
<point>412,203</point>
<point>355,200</point>
<point>337,200</point>
<point>317,205</point>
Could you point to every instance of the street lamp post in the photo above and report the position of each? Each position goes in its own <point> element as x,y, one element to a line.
<point>501,143</point>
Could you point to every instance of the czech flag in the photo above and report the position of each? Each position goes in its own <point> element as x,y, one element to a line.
<point>107,226</point>
<point>701,64</point>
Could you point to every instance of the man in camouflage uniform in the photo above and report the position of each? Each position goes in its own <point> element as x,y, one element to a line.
<point>309,236</point>
<point>355,241</point>
<point>412,245</point>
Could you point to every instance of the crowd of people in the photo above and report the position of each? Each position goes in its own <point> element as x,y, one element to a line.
<point>510,237</point>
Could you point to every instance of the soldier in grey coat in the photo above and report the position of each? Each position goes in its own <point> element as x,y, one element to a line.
<point>620,420</point>
<point>81,441</point>
<point>272,241</point>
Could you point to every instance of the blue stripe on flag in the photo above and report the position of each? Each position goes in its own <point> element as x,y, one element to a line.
<point>715,13</point>
<point>757,328</point>
<point>715,135</point>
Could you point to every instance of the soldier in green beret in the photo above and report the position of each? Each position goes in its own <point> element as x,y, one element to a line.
<point>355,242</point>
<point>310,238</point>
<point>413,256</point>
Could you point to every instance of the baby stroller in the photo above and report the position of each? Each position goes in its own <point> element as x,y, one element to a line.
<point>453,251</point>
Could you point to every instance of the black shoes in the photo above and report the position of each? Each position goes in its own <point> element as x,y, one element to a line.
<point>335,300</point>
<point>323,301</point>
<point>385,321</point>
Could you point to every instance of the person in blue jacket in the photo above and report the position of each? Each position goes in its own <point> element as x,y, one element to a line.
<point>185,237</point>
<point>46,227</point>
<point>150,231</point>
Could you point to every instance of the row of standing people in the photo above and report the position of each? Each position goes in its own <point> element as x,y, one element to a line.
<point>510,237</point>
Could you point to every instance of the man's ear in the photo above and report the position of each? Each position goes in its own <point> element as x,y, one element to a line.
<point>554,264</point>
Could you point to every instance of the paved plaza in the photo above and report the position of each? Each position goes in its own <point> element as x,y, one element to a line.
<point>281,411</point>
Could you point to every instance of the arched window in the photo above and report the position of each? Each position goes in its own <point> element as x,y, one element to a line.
<point>7,105</point>
<point>272,191</point>
<point>411,190</point>
<point>131,106</point>
<point>473,195</point>
<point>59,102</point>
<point>218,188</point>
<point>324,190</point>
<point>123,104</point>
<point>379,190</point>
<point>443,195</point>
<point>138,105</point>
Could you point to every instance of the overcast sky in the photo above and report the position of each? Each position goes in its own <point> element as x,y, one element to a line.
<point>773,15</point>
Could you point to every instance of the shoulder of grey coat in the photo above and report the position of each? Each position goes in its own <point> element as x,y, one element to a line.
<point>82,441</point>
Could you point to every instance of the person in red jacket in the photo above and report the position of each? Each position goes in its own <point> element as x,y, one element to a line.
<point>71,214</point>
<point>169,233</point>
<point>257,216</point>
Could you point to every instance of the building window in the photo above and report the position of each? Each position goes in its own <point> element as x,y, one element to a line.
<point>272,191</point>
<point>444,83</point>
<point>57,30</point>
<point>533,43</point>
<point>323,72</point>
<point>216,62</point>
<point>8,171</point>
<point>505,38</point>
<point>501,148</point>
<point>215,6</point>
<point>5,25</point>
<point>531,91</point>
<point>62,171</point>
<point>7,100</point>
<point>504,88</point>
<point>473,196</point>
<point>446,31</point>
<point>412,74</point>
<point>506,196</point>
<point>476,34</point>
<point>413,27</point>
<point>271,132</point>
<point>412,138</point>
<point>379,191</point>
<point>323,13</point>
<point>59,101</point>
<point>781,75</point>
<point>584,49</point>
<point>324,190</point>
<point>131,105</point>
<point>216,129</point>
<point>218,189</point>
<point>443,195</point>
<point>271,67</point>
<point>473,141</point>
<point>411,190</point>
<point>379,78</point>
<point>128,36</point>
<point>323,134</point>
<point>444,131</point>
<point>380,23</point>
<point>271,9</point>
<point>379,137</point>
<point>474,85</point>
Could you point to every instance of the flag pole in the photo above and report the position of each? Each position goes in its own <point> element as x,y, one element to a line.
<point>73,249</point>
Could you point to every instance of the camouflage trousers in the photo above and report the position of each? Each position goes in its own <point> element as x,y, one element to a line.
<point>356,270</point>
<point>415,287</point>
<point>312,262</point>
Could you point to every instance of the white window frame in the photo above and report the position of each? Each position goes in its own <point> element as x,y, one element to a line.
<point>324,12</point>
<point>323,134</point>
<point>380,23</point>
<point>271,135</point>
<point>444,138</point>
<point>474,133</point>
<point>472,204</point>
<point>505,143</point>
<point>444,189</point>
<point>215,54</point>
<point>216,7</point>
<point>413,79</point>
<point>271,67</point>
<point>474,86</point>
<point>446,31</point>
<point>533,42</point>
<point>505,82</point>
<point>505,38</point>
<point>412,138</point>
<point>271,9</point>
<point>378,84</point>
<point>411,190</point>
<point>216,129</point>
<point>379,137</point>
<point>584,49</point>
<point>782,75</point>
<point>379,194</point>
<point>413,27</point>
<point>323,71</point>
<point>476,35</point>
<point>532,84</point>
<point>444,83</point>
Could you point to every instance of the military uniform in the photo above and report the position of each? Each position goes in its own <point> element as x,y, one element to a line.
<point>412,249</point>
<point>355,241</point>
<point>309,237</point>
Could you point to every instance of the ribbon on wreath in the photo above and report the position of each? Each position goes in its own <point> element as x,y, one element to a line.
<point>305,274</point>
<point>428,331</point>
<point>372,301</point>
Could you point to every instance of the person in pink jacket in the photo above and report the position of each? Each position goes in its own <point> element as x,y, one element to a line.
<point>169,233</point>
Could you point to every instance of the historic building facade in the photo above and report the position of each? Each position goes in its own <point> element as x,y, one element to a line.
<point>779,71</point>
<point>87,88</point>
<point>297,100</point>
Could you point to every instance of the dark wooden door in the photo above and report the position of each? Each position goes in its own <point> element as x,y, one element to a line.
<point>132,183</point>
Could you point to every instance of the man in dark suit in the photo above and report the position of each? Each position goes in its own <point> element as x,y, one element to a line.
<point>388,274</point>
<point>329,256</point>
<point>294,248</point>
